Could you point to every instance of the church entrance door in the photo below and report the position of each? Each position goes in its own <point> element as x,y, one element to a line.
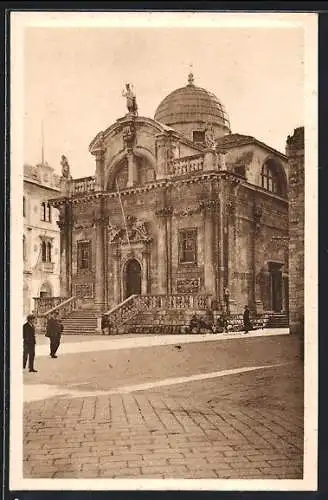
<point>276,287</point>
<point>132,278</point>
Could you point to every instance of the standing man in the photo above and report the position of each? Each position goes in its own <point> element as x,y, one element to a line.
<point>29,343</point>
<point>247,323</point>
<point>54,331</point>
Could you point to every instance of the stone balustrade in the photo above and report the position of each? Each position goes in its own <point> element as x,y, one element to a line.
<point>186,165</point>
<point>44,304</point>
<point>124,311</point>
<point>63,308</point>
<point>130,307</point>
<point>83,185</point>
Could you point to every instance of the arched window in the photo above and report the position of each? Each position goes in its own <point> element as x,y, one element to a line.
<point>44,251</point>
<point>49,251</point>
<point>24,249</point>
<point>269,180</point>
<point>48,212</point>
<point>43,211</point>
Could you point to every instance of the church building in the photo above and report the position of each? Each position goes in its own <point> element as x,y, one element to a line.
<point>178,206</point>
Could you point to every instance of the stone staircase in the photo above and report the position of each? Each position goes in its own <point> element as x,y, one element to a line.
<point>278,320</point>
<point>81,322</point>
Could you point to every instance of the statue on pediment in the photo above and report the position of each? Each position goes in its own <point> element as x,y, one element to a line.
<point>65,167</point>
<point>131,101</point>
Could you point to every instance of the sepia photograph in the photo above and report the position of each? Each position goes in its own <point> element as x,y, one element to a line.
<point>163,251</point>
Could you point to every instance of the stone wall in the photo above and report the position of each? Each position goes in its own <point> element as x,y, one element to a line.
<point>295,153</point>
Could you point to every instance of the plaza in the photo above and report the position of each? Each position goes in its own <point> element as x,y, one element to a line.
<point>192,407</point>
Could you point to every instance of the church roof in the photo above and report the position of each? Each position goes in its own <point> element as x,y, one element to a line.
<point>235,140</point>
<point>192,104</point>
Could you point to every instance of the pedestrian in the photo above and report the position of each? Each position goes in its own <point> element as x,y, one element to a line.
<point>29,343</point>
<point>104,324</point>
<point>54,332</point>
<point>246,319</point>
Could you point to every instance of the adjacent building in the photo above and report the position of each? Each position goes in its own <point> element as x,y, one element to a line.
<point>295,152</point>
<point>41,239</point>
<point>178,205</point>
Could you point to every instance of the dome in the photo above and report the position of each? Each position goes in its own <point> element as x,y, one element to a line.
<point>192,105</point>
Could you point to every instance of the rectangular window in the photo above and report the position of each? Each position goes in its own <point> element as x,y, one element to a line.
<point>24,206</point>
<point>83,254</point>
<point>188,246</point>
<point>240,170</point>
<point>198,136</point>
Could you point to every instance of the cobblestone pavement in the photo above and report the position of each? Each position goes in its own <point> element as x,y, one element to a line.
<point>245,425</point>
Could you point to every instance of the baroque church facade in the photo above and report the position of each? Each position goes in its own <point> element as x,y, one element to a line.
<point>178,206</point>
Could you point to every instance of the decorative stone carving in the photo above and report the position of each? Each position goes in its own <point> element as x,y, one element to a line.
<point>113,232</point>
<point>231,207</point>
<point>257,214</point>
<point>210,136</point>
<point>185,285</point>
<point>206,204</point>
<point>136,231</point>
<point>187,211</point>
<point>164,212</point>
<point>84,291</point>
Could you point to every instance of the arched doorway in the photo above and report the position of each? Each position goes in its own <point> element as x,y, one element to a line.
<point>46,290</point>
<point>132,278</point>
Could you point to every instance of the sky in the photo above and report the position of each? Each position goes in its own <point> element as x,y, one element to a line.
<point>74,77</point>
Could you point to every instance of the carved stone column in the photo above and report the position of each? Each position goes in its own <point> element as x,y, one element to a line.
<point>116,274</point>
<point>65,225</point>
<point>256,297</point>
<point>98,151</point>
<point>161,155</point>
<point>210,275</point>
<point>132,170</point>
<point>162,249</point>
<point>100,258</point>
<point>145,272</point>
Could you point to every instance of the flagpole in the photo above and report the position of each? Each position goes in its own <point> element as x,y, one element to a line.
<point>42,144</point>
<point>123,214</point>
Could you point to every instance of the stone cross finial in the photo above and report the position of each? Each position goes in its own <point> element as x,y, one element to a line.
<point>191,76</point>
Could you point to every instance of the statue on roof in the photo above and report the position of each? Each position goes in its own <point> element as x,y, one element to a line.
<point>210,136</point>
<point>131,101</point>
<point>65,166</point>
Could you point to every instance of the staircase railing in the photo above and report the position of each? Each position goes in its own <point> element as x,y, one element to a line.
<point>121,313</point>
<point>44,304</point>
<point>130,307</point>
<point>63,309</point>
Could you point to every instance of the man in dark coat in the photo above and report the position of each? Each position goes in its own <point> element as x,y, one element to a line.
<point>29,343</point>
<point>54,331</point>
<point>247,323</point>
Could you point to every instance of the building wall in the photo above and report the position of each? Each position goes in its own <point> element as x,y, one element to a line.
<point>249,244</point>
<point>295,152</point>
<point>39,276</point>
<point>253,157</point>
